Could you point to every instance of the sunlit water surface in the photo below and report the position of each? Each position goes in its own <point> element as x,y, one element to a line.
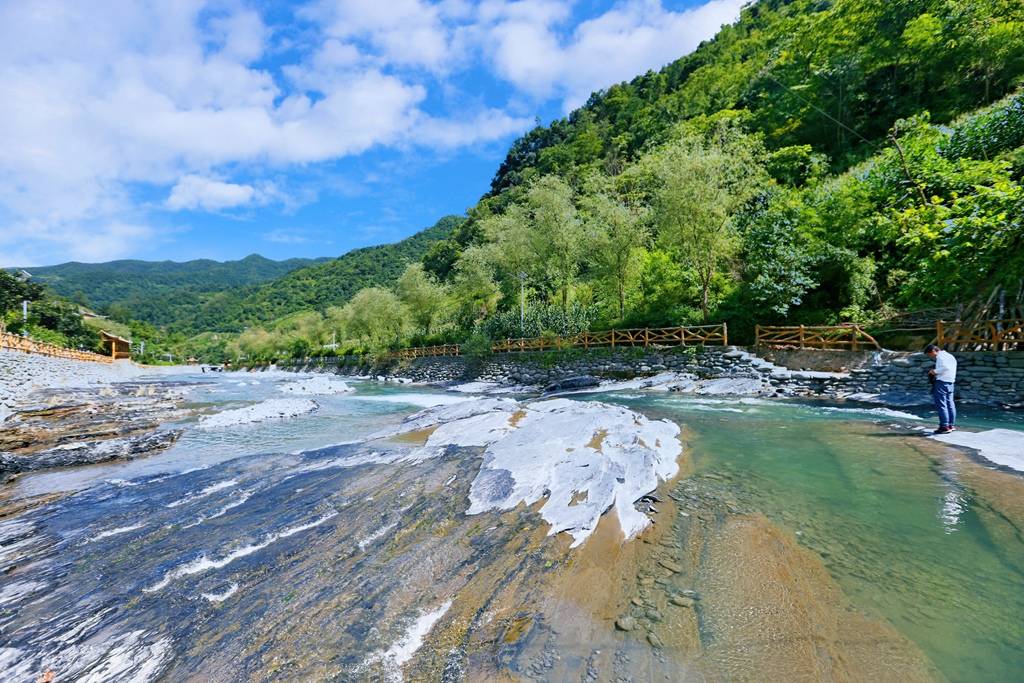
<point>151,544</point>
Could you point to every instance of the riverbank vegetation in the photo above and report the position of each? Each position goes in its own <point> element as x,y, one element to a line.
<point>816,162</point>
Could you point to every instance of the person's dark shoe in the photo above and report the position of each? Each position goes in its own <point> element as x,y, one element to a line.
<point>943,430</point>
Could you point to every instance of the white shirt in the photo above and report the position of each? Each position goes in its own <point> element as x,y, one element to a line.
<point>945,367</point>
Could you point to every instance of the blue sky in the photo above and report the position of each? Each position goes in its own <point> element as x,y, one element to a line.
<point>179,129</point>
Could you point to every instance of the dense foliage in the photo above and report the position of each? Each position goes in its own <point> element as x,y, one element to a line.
<point>162,292</point>
<point>50,318</point>
<point>807,165</point>
<point>702,228</point>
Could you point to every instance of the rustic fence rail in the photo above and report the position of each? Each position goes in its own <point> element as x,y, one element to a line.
<point>427,351</point>
<point>662,336</point>
<point>815,337</point>
<point>13,342</point>
<point>980,335</point>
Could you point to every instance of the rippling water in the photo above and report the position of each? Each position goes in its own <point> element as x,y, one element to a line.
<point>207,559</point>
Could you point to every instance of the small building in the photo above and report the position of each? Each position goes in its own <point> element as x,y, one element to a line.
<point>117,347</point>
<point>192,360</point>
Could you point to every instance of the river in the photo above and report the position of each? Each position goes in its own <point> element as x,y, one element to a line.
<point>293,549</point>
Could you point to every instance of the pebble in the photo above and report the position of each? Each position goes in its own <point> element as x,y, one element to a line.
<point>654,615</point>
<point>653,639</point>
<point>681,601</point>
<point>638,602</point>
<point>625,623</point>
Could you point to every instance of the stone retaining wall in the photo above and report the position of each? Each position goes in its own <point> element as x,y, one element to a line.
<point>984,377</point>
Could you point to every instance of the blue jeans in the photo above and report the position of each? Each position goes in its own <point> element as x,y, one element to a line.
<point>942,392</point>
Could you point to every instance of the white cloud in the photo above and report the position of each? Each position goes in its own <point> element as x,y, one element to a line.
<point>525,45</point>
<point>285,237</point>
<point>102,104</point>
<point>197,192</point>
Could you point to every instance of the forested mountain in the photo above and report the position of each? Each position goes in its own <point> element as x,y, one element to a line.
<point>204,295</point>
<point>818,161</point>
<point>833,74</point>
<point>319,286</point>
<point>157,292</point>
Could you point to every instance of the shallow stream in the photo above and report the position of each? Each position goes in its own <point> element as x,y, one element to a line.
<point>222,556</point>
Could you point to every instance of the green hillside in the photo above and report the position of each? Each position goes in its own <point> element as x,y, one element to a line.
<point>832,74</point>
<point>818,161</point>
<point>313,287</point>
<point>334,282</point>
<point>158,292</point>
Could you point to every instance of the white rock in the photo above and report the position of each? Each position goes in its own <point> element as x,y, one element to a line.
<point>273,409</point>
<point>1001,446</point>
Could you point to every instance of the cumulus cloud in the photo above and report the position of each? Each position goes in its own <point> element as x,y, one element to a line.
<point>104,105</point>
<point>197,192</point>
<point>527,48</point>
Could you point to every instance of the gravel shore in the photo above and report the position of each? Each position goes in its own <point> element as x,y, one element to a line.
<point>21,374</point>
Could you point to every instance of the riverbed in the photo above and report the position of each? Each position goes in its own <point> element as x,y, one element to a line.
<point>293,548</point>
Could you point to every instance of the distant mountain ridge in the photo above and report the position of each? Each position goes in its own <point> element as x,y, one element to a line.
<point>116,281</point>
<point>226,296</point>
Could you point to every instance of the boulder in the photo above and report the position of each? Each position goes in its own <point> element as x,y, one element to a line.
<point>570,383</point>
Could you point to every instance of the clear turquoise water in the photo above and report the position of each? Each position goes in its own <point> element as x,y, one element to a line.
<point>905,539</point>
<point>903,536</point>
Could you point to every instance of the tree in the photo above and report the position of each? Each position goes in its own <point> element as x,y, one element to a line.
<point>422,294</point>
<point>377,317</point>
<point>777,265</point>
<point>555,232</point>
<point>474,288</point>
<point>617,232</point>
<point>703,184</point>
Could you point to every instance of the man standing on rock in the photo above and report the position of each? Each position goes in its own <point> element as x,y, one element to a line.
<point>944,376</point>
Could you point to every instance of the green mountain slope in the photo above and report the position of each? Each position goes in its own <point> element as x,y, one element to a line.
<point>832,74</point>
<point>313,287</point>
<point>158,292</point>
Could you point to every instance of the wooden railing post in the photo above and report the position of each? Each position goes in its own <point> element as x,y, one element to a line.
<point>801,336</point>
<point>725,334</point>
<point>613,338</point>
<point>940,333</point>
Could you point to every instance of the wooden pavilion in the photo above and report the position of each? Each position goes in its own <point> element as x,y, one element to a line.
<point>117,347</point>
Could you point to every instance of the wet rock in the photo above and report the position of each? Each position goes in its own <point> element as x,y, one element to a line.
<point>654,615</point>
<point>653,639</point>
<point>625,623</point>
<point>681,601</point>
<point>670,565</point>
<point>638,602</point>
<point>579,382</point>
<point>90,452</point>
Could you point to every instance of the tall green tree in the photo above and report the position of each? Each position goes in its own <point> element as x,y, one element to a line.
<point>616,232</point>
<point>704,183</point>
<point>555,232</point>
<point>377,317</point>
<point>423,295</point>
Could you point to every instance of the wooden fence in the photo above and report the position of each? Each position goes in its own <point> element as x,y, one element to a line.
<point>982,335</point>
<point>15,343</point>
<point>425,351</point>
<point>662,336</point>
<point>815,337</point>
